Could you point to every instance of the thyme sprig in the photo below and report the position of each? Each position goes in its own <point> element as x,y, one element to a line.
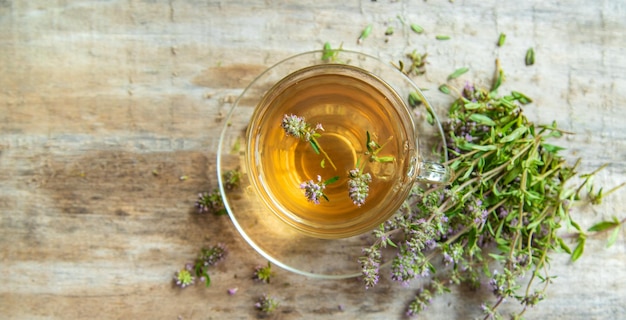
<point>499,217</point>
<point>297,127</point>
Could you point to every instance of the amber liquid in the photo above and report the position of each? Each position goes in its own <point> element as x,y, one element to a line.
<point>348,107</point>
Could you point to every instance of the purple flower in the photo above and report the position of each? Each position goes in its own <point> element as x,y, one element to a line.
<point>313,191</point>
<point>232,291</point>
<point>213,254</point>
<point>297,127</point>
<point>370,267</point>
<point>502,212</point>
<point>266,304</point>
<point>358,186</point>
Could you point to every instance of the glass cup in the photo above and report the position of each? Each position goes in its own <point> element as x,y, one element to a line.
<point>329,150</point>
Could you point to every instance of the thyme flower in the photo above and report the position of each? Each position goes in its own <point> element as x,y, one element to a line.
<point>183,277</point>
<point>266,303</point>
<point>297,127</point>
<point>211,203</point>
<point>370,266</point>
<point>263,274</point>
<point>232,178</point>
<point>313,191</point>
<point>358,185</point>
<point>211,256</point>
<point>420,303</point>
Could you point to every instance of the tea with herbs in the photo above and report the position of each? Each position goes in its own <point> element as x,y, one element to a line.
<point>329,149</point>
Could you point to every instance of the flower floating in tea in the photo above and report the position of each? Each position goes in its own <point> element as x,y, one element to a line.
<point>358,179</point>
<point>359,186</point>
<point>297,127</point>
<point>313,191</point>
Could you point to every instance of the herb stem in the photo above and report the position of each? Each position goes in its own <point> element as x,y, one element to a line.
<point>324,153</point>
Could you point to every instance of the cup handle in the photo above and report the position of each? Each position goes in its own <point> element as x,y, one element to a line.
<point>433,172</point>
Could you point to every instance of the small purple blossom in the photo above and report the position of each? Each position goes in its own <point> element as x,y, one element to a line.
<point>266,303</point>
<point>297,127</point>
<point>313,191</point>
<point>210,202</point>
<point>358,184</point>
<point>232,291</point>
<point>502,212</point>
<point>212,255</point>
<point>420,303</point>
<point>497,284</point>
<point>370,266</point>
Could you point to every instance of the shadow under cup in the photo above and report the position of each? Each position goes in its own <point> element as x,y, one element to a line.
<point>354,107</point>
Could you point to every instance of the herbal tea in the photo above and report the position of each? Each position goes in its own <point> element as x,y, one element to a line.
<point>356,127</point>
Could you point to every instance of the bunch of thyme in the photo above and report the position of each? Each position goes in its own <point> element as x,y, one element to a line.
<point>199,269</point>
<point>498,219</point>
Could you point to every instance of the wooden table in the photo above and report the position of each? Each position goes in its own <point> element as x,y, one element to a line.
<point>104,105</point>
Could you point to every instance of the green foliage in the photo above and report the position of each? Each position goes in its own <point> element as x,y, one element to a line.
<point>498,219</point>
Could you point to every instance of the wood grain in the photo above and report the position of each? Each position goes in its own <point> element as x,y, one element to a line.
<point>96,96</point>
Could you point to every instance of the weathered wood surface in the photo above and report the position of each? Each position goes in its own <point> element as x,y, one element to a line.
<point>95,95</point>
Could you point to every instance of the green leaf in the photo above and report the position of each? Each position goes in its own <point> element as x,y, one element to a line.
<point>578,251</point>
<point>522,98</point>
<point>414,99</point>
<point>473,105</point>
<point>613,237</point>
<point>563,245</point>
<point>501,39</point>
<point>367,142</point>
<point>458,72</point>
<point>385,159</point>
<point>430,118</point>
<point>444,88</point>
<point>468,146</point>
<point>552,148</point>
<point>331,180</point>
<point>516,134</point>
<point>316,148</point>
<point>482,119</point>
<point>208,279</point>
<point>498,81</point>
<point>323,163</point>
<point>365,33</point>
<point>328,52</point>
<point>416,28</point>
<point>497,257</point>
<point>442,37</point>
<point>530,57</point>
<point>603,225</point>
<point>389,242</point>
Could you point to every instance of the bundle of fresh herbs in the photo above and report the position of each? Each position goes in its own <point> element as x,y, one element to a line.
<point>499,219</point>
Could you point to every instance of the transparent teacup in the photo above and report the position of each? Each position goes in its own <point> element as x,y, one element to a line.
<point>361,127</point>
